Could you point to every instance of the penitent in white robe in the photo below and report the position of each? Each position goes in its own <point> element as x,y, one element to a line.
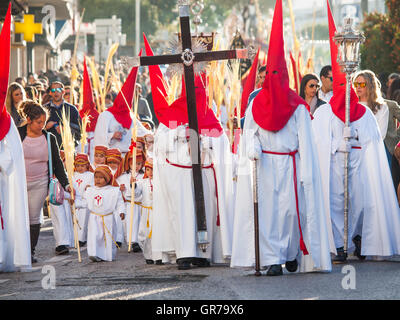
<point>373,208</point>
<point>105,205</point>
<point>107,125</point>
<point>62,221</point>
<point>279,232</point>
<point>174,220</point>
<point>127,195</point>
<point>15,246</point>
<point>81,182</point>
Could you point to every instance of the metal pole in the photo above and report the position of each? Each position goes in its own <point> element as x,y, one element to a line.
<point>346,166</point>
<point>137,22</point>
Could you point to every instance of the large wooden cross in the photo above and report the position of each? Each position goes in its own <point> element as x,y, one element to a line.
<point>187,57</point>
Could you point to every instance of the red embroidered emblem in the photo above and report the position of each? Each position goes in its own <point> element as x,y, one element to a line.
<point>79,181</point>
<point>99,200</point>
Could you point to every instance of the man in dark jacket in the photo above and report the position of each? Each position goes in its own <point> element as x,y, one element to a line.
<point>55,107</point>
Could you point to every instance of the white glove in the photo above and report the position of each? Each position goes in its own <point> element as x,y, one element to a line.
<point>344,146</point>
<point>349,132</point>
<point>254,152</point>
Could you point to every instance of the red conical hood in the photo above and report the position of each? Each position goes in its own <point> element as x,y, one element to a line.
<point>338,101</point>
<point>88,107</point>
<point>276,102</point>
<point>122,107</point>
<point>158,91</point>
<point>176,114</point>
<point>250,85</point>
<point>5,118</point>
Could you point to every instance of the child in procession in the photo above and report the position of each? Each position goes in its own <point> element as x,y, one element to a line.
<point>115,161</point>
<point>99,155</point>
<point>125,183</point>
<point>144,192</point>
<point>82,179</point>
<point>105,204</point>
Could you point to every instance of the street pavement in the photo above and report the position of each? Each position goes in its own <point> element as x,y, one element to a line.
<point>130,278</point>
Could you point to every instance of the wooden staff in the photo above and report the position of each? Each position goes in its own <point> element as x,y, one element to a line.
<point>84,135</point>
<point>133,172</point>
<point>256,225</point>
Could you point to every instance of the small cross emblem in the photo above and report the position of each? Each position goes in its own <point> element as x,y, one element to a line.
<point>79,181</point>
<point>99,200</point>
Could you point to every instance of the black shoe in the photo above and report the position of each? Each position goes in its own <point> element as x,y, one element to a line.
<point>149,261</point>
<point>33,259</point>
<point>200,262</point>
<point>291,266</point>
<point>61,250</point>
<point>357,251</point>
<point>183,263</point>
<point>136,247</point>
<point>341,257</point>
<point>82,243</point>
<point>159,262</point>
<point>275,270</point>
<point>95,259</point>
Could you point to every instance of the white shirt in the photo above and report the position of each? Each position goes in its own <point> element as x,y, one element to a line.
<point>325,96</point>
<point>382,117</point>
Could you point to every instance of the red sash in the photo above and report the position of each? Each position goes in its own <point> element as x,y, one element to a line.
<point>211,166</point>
<point>293,155</point>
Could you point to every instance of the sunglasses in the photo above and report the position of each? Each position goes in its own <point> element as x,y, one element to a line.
<point>314,85</point>
<point>359,84</point>
<point>57,89</point>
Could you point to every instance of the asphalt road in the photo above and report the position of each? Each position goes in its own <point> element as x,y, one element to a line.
<point>129,278</point>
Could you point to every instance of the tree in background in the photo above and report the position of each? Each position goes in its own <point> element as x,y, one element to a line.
<point>159,14</point>
<point>381,50</point>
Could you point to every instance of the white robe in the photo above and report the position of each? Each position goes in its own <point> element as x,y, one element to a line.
<point>279,233</point>
<point>107,203</point>
<point>62,221</point>
<point>15,246</point>
<point>373,208</point>
<point>125,180</point>
<point>81,181</point>
<point>144,193</point>
<point>174,220</point>
<point>107,125</point>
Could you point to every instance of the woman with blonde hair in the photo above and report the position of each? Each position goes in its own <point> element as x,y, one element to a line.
<point>15,96</point>
<point>368,89</point>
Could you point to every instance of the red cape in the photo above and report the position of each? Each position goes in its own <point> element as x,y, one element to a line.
<point>88,107</point>
<point>5,118</point>
<point>122,107</point>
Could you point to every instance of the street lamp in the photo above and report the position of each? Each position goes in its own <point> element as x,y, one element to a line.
<point>348,41</point>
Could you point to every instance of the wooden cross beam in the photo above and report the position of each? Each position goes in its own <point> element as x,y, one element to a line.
<point>187,58</point>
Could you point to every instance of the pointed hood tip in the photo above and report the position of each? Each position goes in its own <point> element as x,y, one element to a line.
<point>276,102</point>
<point>5,43</point>
<point>337,101</point>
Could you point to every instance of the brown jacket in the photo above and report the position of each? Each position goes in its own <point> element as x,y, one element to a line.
<point>393,134</point>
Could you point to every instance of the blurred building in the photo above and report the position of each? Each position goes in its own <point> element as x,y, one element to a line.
<point>58,19</point>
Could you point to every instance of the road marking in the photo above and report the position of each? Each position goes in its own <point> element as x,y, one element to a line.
<point>100,295</point>
<point>143,294</point>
